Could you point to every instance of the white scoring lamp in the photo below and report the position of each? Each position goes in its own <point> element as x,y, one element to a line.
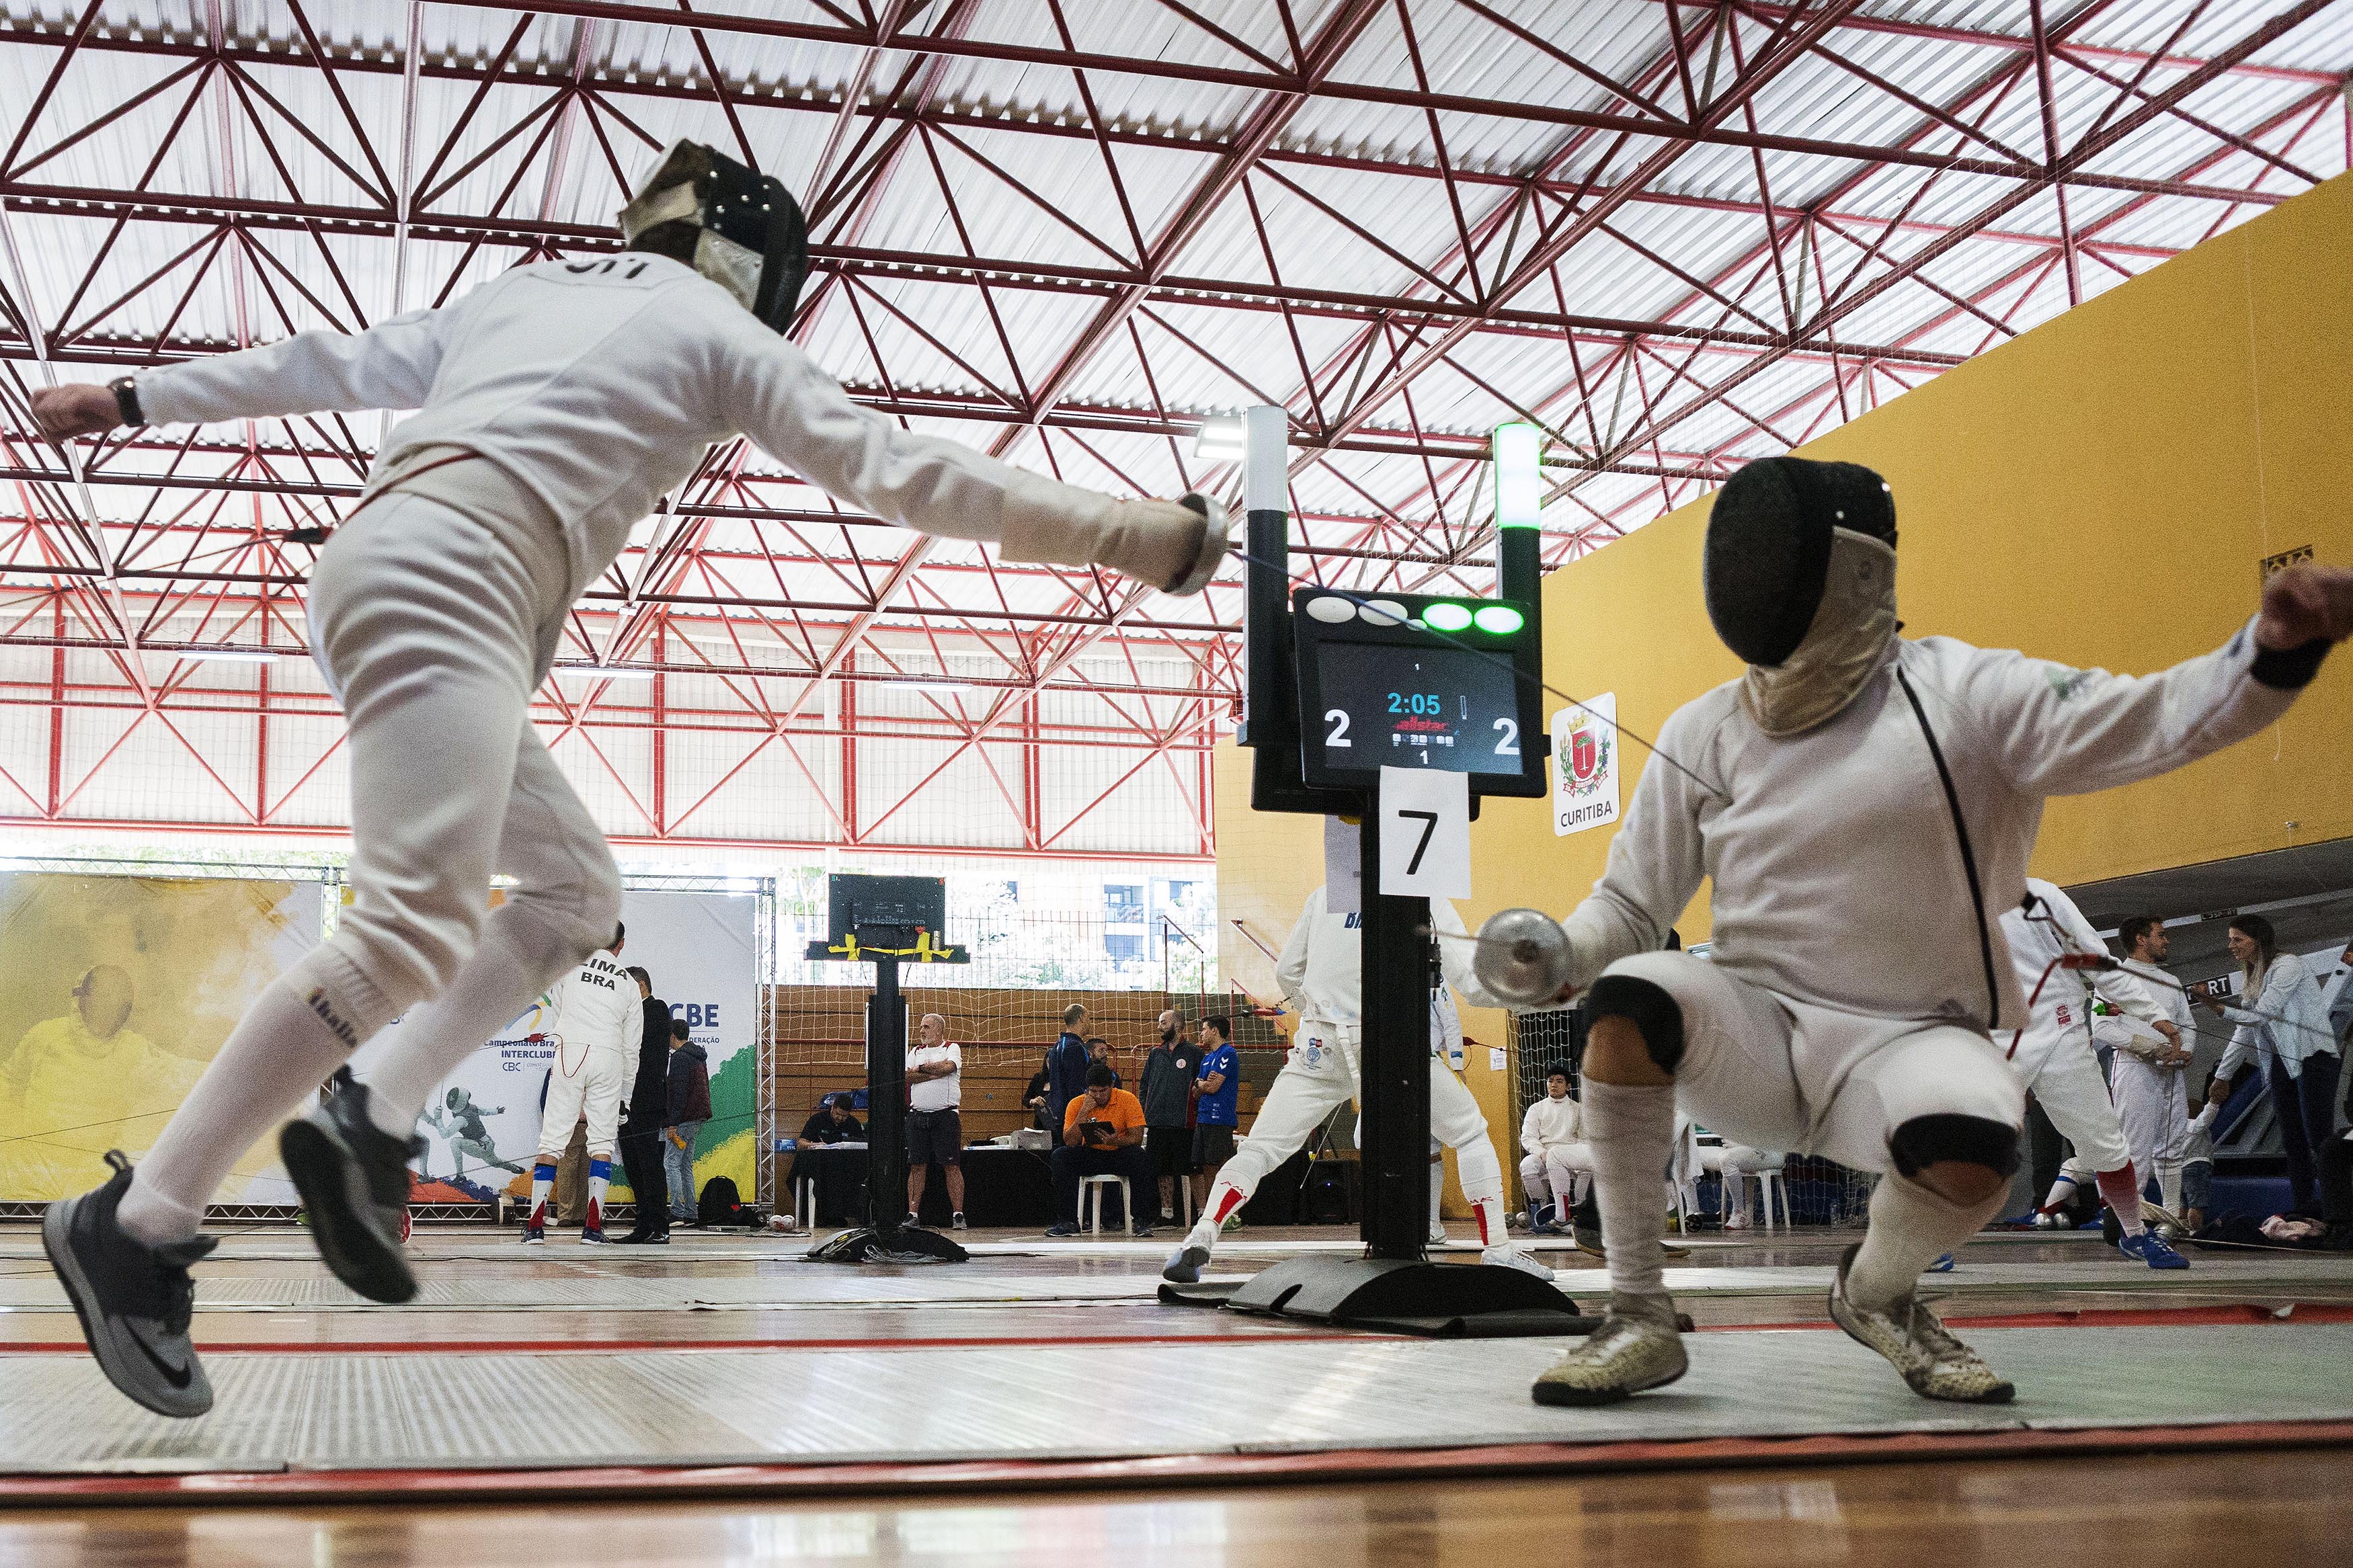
<point>1519,490</point>
<point>1221,441</point>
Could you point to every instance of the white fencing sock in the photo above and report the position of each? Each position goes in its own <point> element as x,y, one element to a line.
<point>1632,1132</point>
<point>297,1031</point>
<point>2063,1192</point>
<point>1482,1176</point>
<point>2120,1190</point>
<point>514,962</point>
<point>1437,1193</point>
<point>2169,1185</point>
<point>1910,1228</point>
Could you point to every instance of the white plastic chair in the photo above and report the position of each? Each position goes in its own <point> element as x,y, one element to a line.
<point>1091,1196</point>
<point>1768,1185</point>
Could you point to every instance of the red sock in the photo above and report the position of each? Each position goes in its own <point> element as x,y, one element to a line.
<point>1486,1227</point>
<point>2121,1191</point>
<point>1227,1205</point>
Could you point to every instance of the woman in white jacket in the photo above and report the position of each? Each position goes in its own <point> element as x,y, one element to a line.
<point>2289,1037</point>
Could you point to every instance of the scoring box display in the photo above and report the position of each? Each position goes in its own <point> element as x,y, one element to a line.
<point>1379,688</point>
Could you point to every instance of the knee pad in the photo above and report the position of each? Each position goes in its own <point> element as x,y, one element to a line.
<point>1926,1140</point>
<point>1651,1009</point>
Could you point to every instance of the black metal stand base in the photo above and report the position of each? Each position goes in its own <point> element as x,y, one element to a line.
<point>1396,1295</point>
<point>867,1244</point>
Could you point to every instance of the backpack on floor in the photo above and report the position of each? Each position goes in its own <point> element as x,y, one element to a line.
<point>721,1204</point>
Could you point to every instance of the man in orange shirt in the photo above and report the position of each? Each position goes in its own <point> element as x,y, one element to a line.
<point>1103,1135</point>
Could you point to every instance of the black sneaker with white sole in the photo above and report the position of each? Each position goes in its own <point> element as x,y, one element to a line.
<point>133,1299</point>
<point>354,1179</point>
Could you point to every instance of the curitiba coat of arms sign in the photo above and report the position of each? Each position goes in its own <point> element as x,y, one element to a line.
<point>1585,765</point>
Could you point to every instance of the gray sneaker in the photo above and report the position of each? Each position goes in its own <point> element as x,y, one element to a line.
<point>1184,1265</point>
<point>133,1299</point>
<point>1918,1344</point>
<point>1636,1347</point>
<point>353,1178</point>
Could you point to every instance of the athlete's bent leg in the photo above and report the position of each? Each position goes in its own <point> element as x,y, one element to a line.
<point>1296,1104</point>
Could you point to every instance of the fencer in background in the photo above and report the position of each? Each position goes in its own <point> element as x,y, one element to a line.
<point>1556,1164</point>
<point>557,403</point>
<point>2149,1075</point>
<point>1321,973</point>
<point>2055,1058</point>
<point>594,1021</point>
<point>1863,806</point>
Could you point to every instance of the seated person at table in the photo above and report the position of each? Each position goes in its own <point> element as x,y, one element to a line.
<point>1103,1135</point>
<point>832,1124</point>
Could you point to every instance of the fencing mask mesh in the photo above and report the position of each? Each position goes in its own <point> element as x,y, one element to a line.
<point>1768,553</point>
<point>750,236</point>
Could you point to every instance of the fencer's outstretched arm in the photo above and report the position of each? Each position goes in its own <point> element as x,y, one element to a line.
<point>1456,957</point>
<point>2056,730</point>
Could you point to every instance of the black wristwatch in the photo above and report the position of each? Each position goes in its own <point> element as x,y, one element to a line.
<point>126,400</point>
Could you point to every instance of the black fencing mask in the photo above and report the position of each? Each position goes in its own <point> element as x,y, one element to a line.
<point>752,240</point>
<point>1768,555</point>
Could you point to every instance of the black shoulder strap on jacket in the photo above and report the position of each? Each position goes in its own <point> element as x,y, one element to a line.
<point>1969,853</point>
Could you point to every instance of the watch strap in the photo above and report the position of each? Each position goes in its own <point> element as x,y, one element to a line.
<point>126,400</point>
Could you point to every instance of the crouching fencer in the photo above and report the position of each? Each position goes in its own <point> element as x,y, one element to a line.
<point>2053,1056</point>
<point>1321,973</point>
<point>557,403</point>
<point>1864,805</point>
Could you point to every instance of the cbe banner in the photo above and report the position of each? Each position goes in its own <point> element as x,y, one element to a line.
<point>1585,765</point>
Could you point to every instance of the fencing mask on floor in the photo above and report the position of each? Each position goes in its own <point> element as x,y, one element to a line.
<point>1799,576</point>
<point>742,230</point>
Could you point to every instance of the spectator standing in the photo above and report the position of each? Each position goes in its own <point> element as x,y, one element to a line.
<point>1167,1093</point>
<point>935,1119</point>
<point>643,1119</point>
<point>1066,1068</point>
<point>2295,1047</point>
<point>1099,1055</point>
<point>1102,1134</point>
<point>1217,1100</point>
<point>690,1107</point>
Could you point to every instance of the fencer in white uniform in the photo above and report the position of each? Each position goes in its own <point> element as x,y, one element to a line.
<point>593,1020</point>
<point>2149,1074</point>
<point>2052,1054</point>
<point>1863,806</point>
<point>1322,975</point>
<point>1556,1164</point>
<point>556,403</point>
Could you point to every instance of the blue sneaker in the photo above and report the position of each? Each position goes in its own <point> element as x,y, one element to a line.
<point>2152,1249</point>
<point>1062,1230</point>
<point>1943,1265</point>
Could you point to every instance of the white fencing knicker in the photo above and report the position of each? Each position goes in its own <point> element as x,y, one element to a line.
<point>1320,1076</point>
<point>583,1080</point>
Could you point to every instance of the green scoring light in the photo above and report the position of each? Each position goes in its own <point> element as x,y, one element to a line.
<point>1447,617</point>
<point>1498,618</point>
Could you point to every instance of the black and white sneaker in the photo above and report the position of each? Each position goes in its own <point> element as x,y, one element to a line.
<point>353,1178</point>
<point>133,1299</point>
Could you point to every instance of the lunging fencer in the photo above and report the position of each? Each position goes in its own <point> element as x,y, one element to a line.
<point>594,1024</point>
<point>1321,972</point>
<point>1864,805</point>
<point>2052,1054</point>
<point>557,403</point>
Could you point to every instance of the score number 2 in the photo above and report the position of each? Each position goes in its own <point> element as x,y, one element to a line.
<point>1337,740</point>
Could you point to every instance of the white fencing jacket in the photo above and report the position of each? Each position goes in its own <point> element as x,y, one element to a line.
<point>1837,871</point>
<point>1320,970</point>
<point>1552,1124</point>
<point>596,1008</point>
<point>597,384</point>
<point>2062,1012</point>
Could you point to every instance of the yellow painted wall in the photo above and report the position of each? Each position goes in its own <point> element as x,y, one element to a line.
<point>2099,490</point>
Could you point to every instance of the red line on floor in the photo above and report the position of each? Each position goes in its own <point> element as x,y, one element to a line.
<point>821,1483</point>
<point>551,1347</point>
